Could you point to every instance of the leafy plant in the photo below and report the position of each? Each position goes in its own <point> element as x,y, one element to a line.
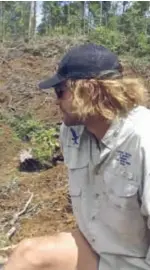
<point>25,126</point>
<point>42,139</point>
<point>45,143</point>
<point>109,38</point>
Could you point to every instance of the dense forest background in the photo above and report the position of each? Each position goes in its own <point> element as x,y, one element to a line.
<point>124,26</point>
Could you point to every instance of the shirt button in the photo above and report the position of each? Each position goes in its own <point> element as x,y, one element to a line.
<point>130,176</point>
<point>96,171</point>
<point>97,195</point>
<point>115,133</point>
<point>123,173</point>
<point>93,239</point>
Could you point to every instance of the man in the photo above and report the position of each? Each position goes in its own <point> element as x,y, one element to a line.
<point>105,142</point>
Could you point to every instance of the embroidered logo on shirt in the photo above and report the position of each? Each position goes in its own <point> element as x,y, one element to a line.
<point>75,137</point>
<point>123,157</point>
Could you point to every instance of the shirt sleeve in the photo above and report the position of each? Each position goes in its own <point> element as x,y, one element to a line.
<point>145,189</point>
<point>145,186</point>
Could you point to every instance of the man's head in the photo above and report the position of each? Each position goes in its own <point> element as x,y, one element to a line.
<point>65,103</point>
<point>89,83</point>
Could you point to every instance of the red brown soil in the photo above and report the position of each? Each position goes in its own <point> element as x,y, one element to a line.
<point>50,209</point>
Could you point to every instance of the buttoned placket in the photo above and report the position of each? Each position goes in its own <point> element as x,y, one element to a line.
<point>95,151</point>
<point>99,153</point>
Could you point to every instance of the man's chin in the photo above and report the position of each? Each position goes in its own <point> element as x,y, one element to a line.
<point>65,120</point>
<point>70,122</point>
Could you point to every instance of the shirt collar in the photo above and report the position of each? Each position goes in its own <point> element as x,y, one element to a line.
<point>111,136</point>
<point>109,140</point>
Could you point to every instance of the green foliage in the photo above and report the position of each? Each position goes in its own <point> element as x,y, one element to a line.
<point>123,26</point>
<point>109,38</point>
<point>143,48</point>
<point>45,143</point>
<point>14,19</point>
<point>41,138</point>
<point>25,126</point>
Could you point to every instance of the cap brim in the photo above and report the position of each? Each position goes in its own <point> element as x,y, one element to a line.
<point>52,82</point>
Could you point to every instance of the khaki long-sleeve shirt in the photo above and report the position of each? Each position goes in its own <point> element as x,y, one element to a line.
<point>109,183</point>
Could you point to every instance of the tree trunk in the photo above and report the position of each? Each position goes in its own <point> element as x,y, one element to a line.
<point>31,19</point>
<point>34,19</point>
<point>2,21</point>
<point>101,12</point>
<point>68,15</point>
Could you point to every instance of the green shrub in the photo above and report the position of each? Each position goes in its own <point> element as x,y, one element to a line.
<point>41,138</point>
<point>25,126</point>
<point>45,143</point>
<point>113,40</point>
<point>143,45</point>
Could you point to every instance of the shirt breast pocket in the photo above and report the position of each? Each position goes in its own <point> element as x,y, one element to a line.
<point>122,189</point>
<point>120,197</point>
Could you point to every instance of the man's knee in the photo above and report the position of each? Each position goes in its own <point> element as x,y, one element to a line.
<point>65,251</point>
<point>28,249</point>
<point>57,252</point>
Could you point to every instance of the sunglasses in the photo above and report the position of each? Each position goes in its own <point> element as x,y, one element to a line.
<point>59,90</point>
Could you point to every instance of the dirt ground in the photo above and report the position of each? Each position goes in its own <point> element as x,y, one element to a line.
<point>49,210</point>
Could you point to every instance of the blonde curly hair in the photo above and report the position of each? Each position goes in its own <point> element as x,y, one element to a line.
<point>109,98</point>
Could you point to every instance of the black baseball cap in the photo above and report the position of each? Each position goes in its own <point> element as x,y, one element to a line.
<point>85,62</point>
